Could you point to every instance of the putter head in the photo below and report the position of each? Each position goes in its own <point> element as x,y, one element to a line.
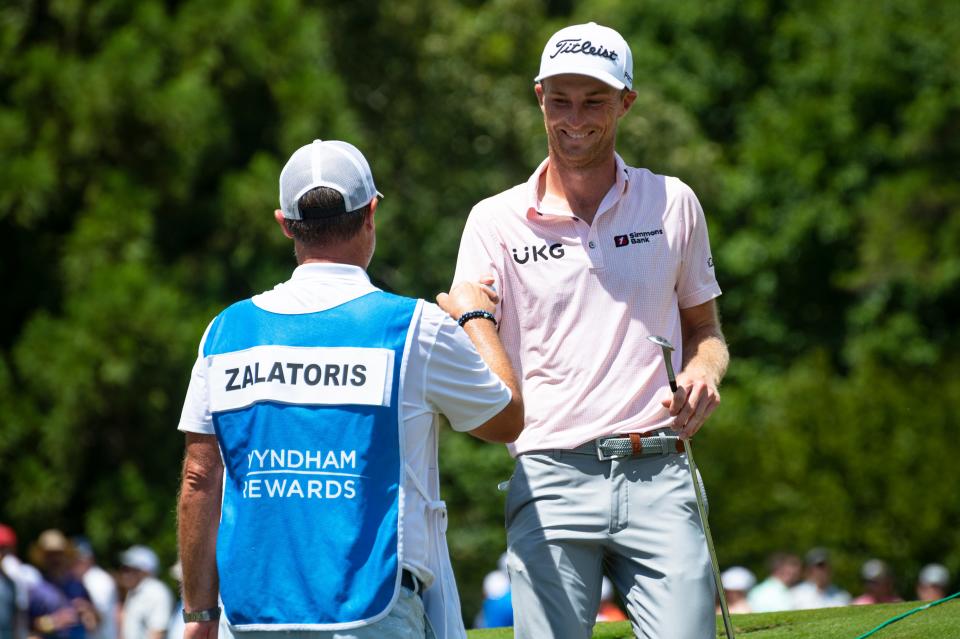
<point>661,342</point>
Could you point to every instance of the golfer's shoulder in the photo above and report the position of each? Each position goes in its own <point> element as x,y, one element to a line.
<point>678,190</point>
<point>501,206</point>
<point>646,181</point>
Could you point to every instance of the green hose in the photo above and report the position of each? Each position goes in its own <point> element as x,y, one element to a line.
<point>908,613</point>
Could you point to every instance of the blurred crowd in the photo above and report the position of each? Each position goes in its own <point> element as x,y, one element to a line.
<point>800,584</point>
<point>58,591</point>
<point>793,584</point>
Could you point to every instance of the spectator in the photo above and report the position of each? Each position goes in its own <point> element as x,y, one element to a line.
<point>9,612</point>
<point>737,582</point>
<point>933,582</point>
<point>877,584</point>
<point>101,588</point>
<point>59,605</point>
<point>148,603</point>
<point>175,627</point>
<point>774,592</point>
<point>609,610</point>
<point>818,591</point>
<point>497,611</point>
<point>24,576</point>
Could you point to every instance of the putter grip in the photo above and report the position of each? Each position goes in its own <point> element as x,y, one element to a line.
<point>673,385</point>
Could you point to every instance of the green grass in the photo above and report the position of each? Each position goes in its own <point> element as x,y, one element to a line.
<point>939,622</point>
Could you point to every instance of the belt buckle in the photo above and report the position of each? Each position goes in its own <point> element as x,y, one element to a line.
<point>600,454</point>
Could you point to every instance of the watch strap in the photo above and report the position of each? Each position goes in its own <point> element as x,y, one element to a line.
<point>207,614</point>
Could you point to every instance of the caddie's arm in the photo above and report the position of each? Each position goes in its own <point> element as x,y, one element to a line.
<point>705,360</point>
<point>506,425</point>
<point>198,517</point>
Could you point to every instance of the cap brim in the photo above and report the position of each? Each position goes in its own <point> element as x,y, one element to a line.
<point>603,76</point>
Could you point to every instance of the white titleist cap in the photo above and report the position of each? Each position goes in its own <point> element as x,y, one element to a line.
<point>333,164</point>
<point>589,49</point>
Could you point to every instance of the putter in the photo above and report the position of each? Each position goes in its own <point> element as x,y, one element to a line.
<point>667,348</point>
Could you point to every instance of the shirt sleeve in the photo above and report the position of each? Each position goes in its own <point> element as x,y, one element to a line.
<point>697,281</point>
<point>459,383</point>
<point>196,417</point>
<point>479,255</point>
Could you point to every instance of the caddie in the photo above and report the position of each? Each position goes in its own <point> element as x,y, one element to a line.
<point>591,257</point>
<point>310,504</point>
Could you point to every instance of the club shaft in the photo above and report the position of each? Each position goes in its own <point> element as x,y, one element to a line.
<point>728,626</point>
<point>668,362</point>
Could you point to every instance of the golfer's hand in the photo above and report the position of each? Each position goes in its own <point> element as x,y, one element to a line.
<point>696,398</point>
<point>469,296</point>
<point>200,630</point>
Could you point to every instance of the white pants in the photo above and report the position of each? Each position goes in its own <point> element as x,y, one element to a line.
<point>571,517</point>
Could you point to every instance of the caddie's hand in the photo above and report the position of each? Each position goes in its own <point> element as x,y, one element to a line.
<point>201,630</point>
<point>469,296</point>
<point>696,398</point>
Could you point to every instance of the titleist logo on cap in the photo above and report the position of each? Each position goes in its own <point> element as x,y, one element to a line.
<point>577,45</point>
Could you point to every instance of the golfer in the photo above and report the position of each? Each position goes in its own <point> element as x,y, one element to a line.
<point>312,409</point>
<point>591,257</point>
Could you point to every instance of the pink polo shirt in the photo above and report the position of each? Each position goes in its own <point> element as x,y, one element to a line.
<point>578,301</point>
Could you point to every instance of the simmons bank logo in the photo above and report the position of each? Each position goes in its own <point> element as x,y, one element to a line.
<point>636,237</point>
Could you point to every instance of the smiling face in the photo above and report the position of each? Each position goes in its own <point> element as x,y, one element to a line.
<point>580,114</point>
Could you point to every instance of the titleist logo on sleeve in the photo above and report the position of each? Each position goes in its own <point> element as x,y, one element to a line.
<point>576,45</point>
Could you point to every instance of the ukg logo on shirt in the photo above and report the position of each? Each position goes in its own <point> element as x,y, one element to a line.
<point>538,253</point>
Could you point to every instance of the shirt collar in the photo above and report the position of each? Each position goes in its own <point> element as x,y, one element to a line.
<point>315,287</point>
<point>328,271</point>
<point>534,207</point>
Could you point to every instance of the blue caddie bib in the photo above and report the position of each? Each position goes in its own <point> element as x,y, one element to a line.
<point>306,412</point>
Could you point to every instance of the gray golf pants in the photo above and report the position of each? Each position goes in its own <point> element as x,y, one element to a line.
<point>571,517</point>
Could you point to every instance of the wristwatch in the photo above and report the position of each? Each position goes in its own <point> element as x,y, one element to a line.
<point>207,614</point>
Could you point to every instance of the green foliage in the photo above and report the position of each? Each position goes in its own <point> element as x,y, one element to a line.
<point>140,145</point>
<point>860,464</point>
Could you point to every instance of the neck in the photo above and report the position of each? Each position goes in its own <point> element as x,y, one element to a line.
<point>330,255</point>
<point>320,260</point>
<point>579,189</point>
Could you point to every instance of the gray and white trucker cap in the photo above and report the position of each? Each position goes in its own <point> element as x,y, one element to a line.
<point>330,163</point>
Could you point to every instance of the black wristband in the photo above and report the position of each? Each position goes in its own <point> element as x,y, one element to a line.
<point>469,315</point>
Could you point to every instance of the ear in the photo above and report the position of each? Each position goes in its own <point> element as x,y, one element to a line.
<point>538,89</point>
<point>282,221</point>
<point>627,101</point>
<point>373,209</point>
